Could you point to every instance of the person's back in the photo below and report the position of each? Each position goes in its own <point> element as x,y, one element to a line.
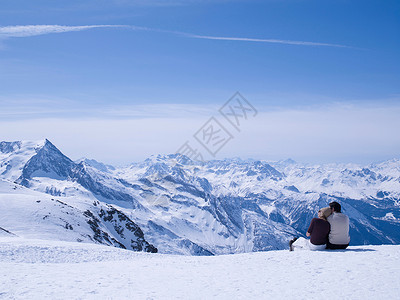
<point>339,235</point>
<point>319,230</point>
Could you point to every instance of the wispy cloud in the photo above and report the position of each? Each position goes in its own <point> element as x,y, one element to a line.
<point>34,30</point>
<point>157,3</point>
<point>274,41</point>
<point>31,108</point>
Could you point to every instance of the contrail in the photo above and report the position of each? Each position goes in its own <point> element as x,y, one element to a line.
<point>275,41</point>
<point>34,30</point>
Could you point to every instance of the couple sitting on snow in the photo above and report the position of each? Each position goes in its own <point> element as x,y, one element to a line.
<point>329,231</point>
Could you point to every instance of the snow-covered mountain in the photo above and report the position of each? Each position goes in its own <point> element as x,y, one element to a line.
<point>181,206</point>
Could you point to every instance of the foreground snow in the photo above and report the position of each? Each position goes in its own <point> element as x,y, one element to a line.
<point>35,269</point>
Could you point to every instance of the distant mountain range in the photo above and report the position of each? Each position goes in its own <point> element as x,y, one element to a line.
<point>172,204</point>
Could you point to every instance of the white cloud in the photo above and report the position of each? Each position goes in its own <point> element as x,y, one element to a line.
<point>42,108</point>
<point>33,30</point>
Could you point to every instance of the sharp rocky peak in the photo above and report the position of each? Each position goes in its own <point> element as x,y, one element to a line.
<point>48,161</point>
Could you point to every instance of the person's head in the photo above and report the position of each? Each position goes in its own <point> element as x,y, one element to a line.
<point>324,213</point>
<point>336,207</point>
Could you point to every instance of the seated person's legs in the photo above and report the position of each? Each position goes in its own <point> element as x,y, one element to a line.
<point>316,247</point>
<point>335,246</point>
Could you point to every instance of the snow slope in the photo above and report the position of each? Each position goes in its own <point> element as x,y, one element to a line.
<point>35,269</point>
<point>15,155</point>
<point>30,214</point>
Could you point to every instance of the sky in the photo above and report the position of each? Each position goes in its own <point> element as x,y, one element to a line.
<point>121,80</point>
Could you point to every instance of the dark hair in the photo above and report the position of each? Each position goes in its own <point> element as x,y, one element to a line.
<point>336,206</point>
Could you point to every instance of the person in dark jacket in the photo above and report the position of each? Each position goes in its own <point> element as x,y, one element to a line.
<point>318,231</point>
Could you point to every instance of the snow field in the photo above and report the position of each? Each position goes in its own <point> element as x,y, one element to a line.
<point>35,269</point>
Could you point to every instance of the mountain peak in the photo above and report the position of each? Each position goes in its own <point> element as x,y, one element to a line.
<point>95,164</point>
<point>48,161</point>
<point>47,145</point>
<point>289,161</point>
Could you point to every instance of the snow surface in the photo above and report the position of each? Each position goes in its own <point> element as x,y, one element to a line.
<point>36,269</point>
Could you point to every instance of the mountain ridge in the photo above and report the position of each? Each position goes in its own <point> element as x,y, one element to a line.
<point>220,206</point>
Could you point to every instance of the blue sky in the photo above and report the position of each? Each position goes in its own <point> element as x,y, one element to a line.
<point>160,69</point>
